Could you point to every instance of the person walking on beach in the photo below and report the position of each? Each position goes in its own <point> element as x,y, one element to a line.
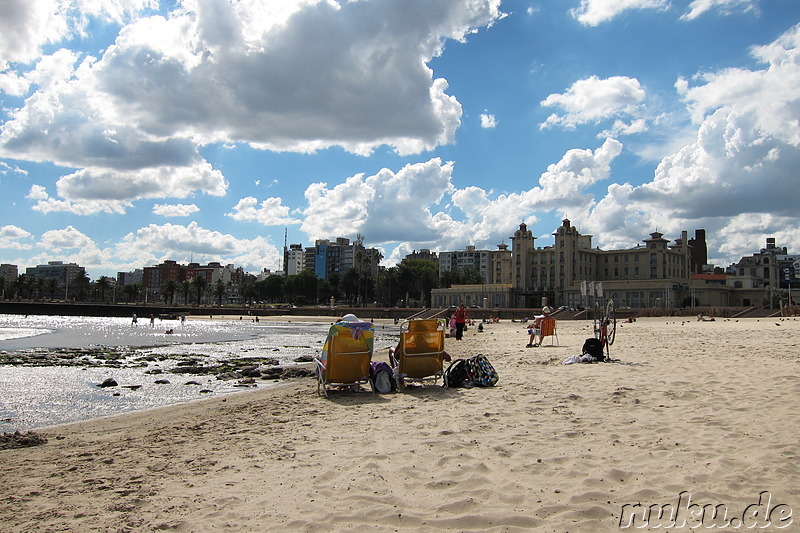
<point>461,321</point>
<point>134,321</point>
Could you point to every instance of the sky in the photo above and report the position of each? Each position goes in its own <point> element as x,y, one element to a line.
<point>137,131</point>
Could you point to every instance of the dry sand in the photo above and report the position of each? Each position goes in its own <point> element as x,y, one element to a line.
<point>708,409</point>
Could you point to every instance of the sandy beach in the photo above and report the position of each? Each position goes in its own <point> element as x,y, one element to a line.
<point>694,414</point>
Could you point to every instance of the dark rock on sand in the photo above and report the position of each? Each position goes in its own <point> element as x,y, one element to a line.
<point>161,382</point>
<point>304,359</point>
<point>297,372</point>
<point>21,440</point>
<point>110,382</point>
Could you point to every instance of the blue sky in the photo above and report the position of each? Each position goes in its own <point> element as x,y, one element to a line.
<point>135,131</point>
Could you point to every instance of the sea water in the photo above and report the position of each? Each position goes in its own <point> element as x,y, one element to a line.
<point>37,397</point>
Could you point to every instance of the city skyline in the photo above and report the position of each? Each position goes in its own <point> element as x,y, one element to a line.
<point>140,131</point>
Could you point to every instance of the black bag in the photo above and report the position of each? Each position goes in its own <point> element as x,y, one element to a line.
<point>594,348</point>
<point>456,374</point>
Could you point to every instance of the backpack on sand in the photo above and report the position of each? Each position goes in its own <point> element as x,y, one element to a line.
<point>594,348</point>
<point>381,375</point>
<point>473,372</point>
<point>456,374</point>
<point>483,373</point>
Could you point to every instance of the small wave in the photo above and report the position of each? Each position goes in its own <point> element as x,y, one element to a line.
<point>21,333</point>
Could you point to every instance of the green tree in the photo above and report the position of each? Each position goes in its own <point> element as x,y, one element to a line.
<point>185,288</point>
<point>168,290</point>
<point>199,284</point>
<point>417,278</point>
<point>81,280</point>
<point>301,288</point>
<point>248,292</point>
<point>131,291</point>
<point>273,288</point>
<point>219,291</point>
<point>102,284</point>
<point>52,287</point>
<point>350,285</point>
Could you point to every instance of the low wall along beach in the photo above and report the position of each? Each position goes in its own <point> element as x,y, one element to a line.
<point>693,414</point>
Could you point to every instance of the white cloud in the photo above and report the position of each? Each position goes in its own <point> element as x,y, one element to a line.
<point>68,238</point>
<point>269,213</point>
<point>592,100</point>
<point>329,75</point>
<point>175,210</point>
<point>725,7</point>
<point>90,191</point>
<point>738,176</point>
<point>28,25</point>
<point>595,12</point>
<point>10,237</point>
<point>385,207</point>
<point>154,244</point>
<point>488,121</point>
<point>5,168</point>
<point>415,194</point>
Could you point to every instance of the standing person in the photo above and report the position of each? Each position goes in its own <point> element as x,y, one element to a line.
<point>461,321</point>
<point>134,322</point>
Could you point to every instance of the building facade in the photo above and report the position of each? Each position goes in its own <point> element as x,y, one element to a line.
<point>469,258</point>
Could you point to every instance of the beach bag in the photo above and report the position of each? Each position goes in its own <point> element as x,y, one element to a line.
<point>456,374</point>
<point>482,372</point>
<point>381,375</point>
<point>594,348</point>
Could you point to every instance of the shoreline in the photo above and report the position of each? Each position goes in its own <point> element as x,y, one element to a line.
<point>695,407</point>
<point>50,386</point>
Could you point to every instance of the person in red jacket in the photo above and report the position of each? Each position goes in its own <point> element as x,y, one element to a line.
<point>461,321</point>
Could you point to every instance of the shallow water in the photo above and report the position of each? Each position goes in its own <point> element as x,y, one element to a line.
<point>37,397</point>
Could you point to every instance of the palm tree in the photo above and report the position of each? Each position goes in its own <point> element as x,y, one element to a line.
<point>52,286</point>
<point>131,292</point>
<point>219,291</point>
<point>82,279</point>
<point>168,289</point>
<point>38,286</point>
<point>102,284</point>
<point>199,283</point>
<point>185,288</point>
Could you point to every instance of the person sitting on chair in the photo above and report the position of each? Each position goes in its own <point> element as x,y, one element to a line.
<point>536,328</point>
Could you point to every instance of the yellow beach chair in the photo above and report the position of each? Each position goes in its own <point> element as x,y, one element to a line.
<point>346,356</point>
<point>420,356</point>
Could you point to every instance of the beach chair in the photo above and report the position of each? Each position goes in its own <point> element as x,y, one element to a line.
<point>548,327</point>
<point>346,356</point>
<point>421,351</point>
